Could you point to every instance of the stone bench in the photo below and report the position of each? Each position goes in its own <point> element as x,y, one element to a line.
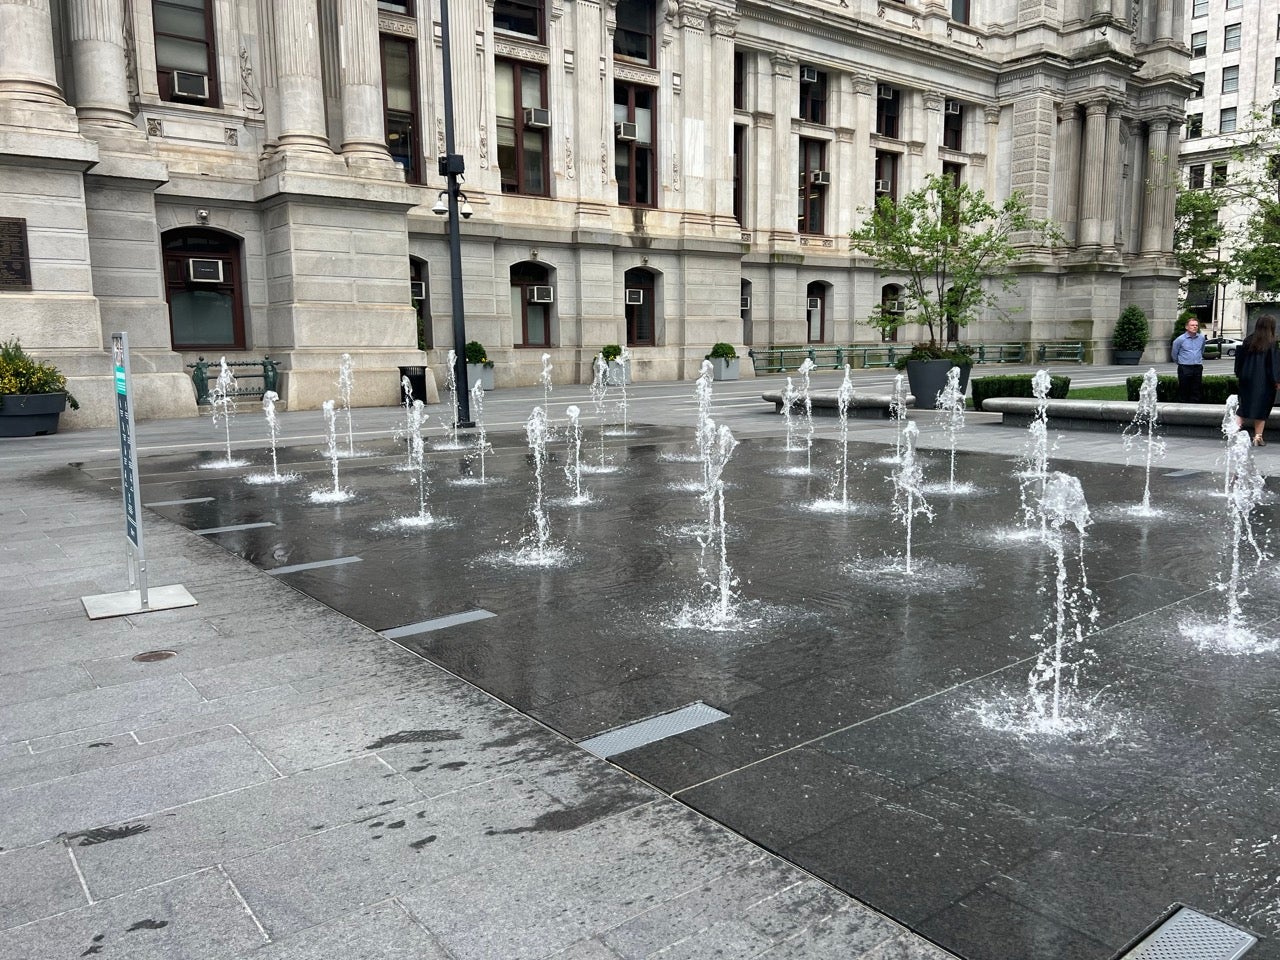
<point>826,403</point>
<point>1112,416</point>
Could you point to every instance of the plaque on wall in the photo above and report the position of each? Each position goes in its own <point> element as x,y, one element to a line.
<point>15,259</point>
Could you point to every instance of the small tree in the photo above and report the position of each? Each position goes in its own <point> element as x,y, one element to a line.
<point>950,242</point>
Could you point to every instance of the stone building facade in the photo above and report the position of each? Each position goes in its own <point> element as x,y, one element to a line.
<point>249,177</point>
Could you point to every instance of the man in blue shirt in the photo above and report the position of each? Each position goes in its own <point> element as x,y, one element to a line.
<point>1188,354</point>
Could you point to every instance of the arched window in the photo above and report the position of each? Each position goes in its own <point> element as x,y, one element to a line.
<point>420,297</point>
<point>532,297</point>
<point>816,311</point>
<point>890,305</point>
<point>745,309</point>
<point>202,286</point>
<point>640,306</point>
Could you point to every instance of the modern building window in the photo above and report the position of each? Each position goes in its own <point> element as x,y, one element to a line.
<point>953,125</point>
<point>739,76</point>
<point>739,172</point>
<point>640,308</point>
<point>524,17</point>
<point>815,311</point>
<point>420,297</point>
<point>813,95</point>
<point>1230,79</point>
<point>814,179</point>
<point>1199,43</point>
<point>202,286</point>
<point>886,184</point>
<point>1219,175</point>
<point>1195,125</point>
<point>400,105</point>
<point>1231,37</point>
<point>1197,81</point>
<point>186,61</point>
<point>891,306</point>
<point>960,11</point>
<point>744,309</point>
<point>888,106</point>
<point>634,127</point>
<point>1199,8</point>
<point>1227,120</point>
<point>633,39</point>
<point>531,303</point>
<point>1195,176</point>
<point>521,96</point>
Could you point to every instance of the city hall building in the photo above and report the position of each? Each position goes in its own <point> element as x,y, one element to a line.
<point>258,177</point>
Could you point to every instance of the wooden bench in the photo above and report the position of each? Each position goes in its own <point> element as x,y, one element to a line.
<point>1060,351</point>
<point>264,370</point>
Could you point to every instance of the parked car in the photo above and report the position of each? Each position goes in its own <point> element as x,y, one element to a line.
<point>1221,347</point>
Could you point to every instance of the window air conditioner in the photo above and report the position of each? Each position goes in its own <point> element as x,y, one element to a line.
<point>204,271</point>
<point>542,295</point>
<point>634,296</point>
<point>808,74</point>
<point>190,86</point>
<point>953,107</point>
<point>882,186</point>
<point>417,290</point>
<point>820,178</point>
<point>815,303</point>
<point>625,131</point>
<point>884,91</point>
<point>537,118</point>
<point>744,303</point>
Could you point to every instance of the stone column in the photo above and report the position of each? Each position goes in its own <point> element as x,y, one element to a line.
<point>1158,174</point>
<point>1111,176</point>
<point>297,62</point>
<point>1172,141</point>
<point>363,134</point>
<point>1093,168</point>
<point>96,30</point>
<point>1067,171</point>
<point>27,70</point>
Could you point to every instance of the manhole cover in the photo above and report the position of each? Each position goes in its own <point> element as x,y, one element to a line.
<point>151,656</point>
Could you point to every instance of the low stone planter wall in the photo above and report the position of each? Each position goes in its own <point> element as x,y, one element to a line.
<point>1112,416</point>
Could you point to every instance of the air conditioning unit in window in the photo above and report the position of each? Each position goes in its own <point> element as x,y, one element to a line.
<point>820,178</point>
<point>190,86</point>
<point>882,186</point>
<point>625,131</point>
<point>634,297</point>
<point>542,295</point>
<point>204,271</point>
<point>808,74</point>
<point>744,303</point>
<point>814,303</point>
<point>417,290</point>
<point>536,118</point>
<point>884,91</point>
<point>953,107</point>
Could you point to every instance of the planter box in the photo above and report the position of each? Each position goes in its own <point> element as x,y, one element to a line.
<point>31,414</point>
<point>619,373</point>
<point>724,369</point>
<point>479,373</point>
<point>1130,357</point>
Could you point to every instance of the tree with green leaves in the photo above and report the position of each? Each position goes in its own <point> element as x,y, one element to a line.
<point>954,248</point>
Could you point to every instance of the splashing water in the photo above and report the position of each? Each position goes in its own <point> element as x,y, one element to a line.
<point>599,394</point>
<point>844,396</point>
<point>477,415</point>
<point>1074,610</point>
<point>908,488</point>
<point>544,378</point>
<point>789,398</point>
<point>451,384</point>
<point>898,412</point>
<point>573,464</point>
<point>705,431</point>
<point>536,433</point>
<point>273,428</point>
<point>805,369</point>
<point>223,400</point>
<point>1144,423</point>
<point>337,494</point>
<point>346,381</point>
<point>950,404</point>
<point>1230,429</point>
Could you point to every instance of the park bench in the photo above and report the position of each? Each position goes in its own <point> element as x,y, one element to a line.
<point>1060,351</point>
<point>265,371</point>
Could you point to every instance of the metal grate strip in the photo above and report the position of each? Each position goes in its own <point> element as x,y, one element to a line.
<point>1190,935</point>
<point>644,732</point>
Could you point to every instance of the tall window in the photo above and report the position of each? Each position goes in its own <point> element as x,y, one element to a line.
<point>202,286</point>
<point>813,186</point>
<point>960,11</point>
<point>739,169</point>
<point>520,92</point>
<point>1230,79</point>
<point>953,125</point>
<point>886,184</point>
<point>400,105</point>
<point>1199,43</point>
<point>813,95</point>
<point>634,127</point>
<point>531,301</point>
<point>186,65</point>
<point>815,310</point>
<point>639,307</point>
<point>888,106</point>
<point>1227,120</point>
<point>634,37</point>
<point>519,16</point>
<point>1231,37</point>
<point>891,306</point>
<point>1195,125</point>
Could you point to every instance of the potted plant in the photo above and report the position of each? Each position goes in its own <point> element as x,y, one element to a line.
<point>1130,336</point>
<point>724,361</point>
<point>619,364</point>
<point>32,394</point>
<point>479,366</point>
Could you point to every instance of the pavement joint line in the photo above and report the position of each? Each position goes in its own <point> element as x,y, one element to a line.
<point>233,528</point>
<point>84,884</point>
<point>244,903</point>
<point>438,623</point>
<point>175,503</point>
<point>313,565</point>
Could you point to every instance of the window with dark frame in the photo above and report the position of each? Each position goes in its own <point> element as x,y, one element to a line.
<point>886,184</point>
<point>634,147</point>
<point>739,167</point>
<point>524,17</point>
<point>400,104</point>
<point>1195,176</point>
<point>813,95</point>
<point>521,96</point>
<point>633,38</point>
<point>888,106</point>
<point>953,125</point>
<point>533,317</point>
<point>812,197</point>
<point>184,38</point>
<point>203,314</point>
<point>640,316</point>
<point>816,311</point>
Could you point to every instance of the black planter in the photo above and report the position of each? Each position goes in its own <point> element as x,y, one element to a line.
<point>1129,357</point>
<point>928,377</point>
<point>31,414</point>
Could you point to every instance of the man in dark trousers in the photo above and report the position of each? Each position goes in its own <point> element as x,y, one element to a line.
<point>1188,354</point>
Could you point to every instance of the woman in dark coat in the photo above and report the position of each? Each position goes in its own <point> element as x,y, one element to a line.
<point>1258,370</point>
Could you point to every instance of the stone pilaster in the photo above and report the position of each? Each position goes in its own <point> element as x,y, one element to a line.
<point>1067,171</point>
<point>363,135</point>
<point>1111,176</point>
<point>297,74</point>
<point>1093,169</point>
<point>1158,174</point>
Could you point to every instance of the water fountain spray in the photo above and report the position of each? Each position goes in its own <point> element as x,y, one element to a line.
<point>599,392</point>
<point>544,378</point>
<point>346,380</point>
<point>573,463</point>
<point>223,400</point>
<point>705,432</point>
<point>721,588</point>
<point>477,415</point>
<point>908,487</point>
<point>950,403</point>
<point>844,396</point>
<point>1144,422</point>
<point>1230,429</point>
<point>451,384</point>
<point>805,368</point>
<point>789,398</point>
<point>1074,613</point>
<point>898,412</point>
<point>536,433</point>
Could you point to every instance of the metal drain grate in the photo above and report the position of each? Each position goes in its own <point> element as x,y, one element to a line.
<point>644,732</point>
<point>1190,935</point>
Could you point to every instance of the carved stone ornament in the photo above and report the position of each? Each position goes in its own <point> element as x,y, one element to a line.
<point>400,26</point>
<point>521,51</point>
<point>568,158</point>
<point>252,102</point>
<point>155,127</point>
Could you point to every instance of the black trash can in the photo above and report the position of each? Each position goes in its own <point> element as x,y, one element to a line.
<point>417,382</point>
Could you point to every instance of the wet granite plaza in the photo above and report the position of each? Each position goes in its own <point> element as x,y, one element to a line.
<point>868,737</point>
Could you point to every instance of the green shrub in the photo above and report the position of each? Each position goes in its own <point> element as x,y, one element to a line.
<point>1014,385</point>
<point>1132,330</point>
<point>476,353</point>
<point>722,351</point>
<point>611,351</point>
<point>1213,389</point>
<point>21,374</point>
